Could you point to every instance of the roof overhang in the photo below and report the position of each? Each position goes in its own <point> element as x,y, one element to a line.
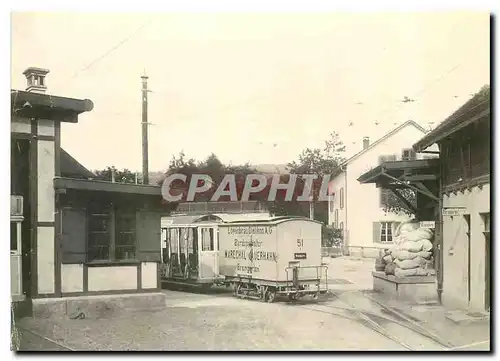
<point>63,184</point>
<point>45,106</point>
<point>474,110</point>
<point>423,169</point>
<point>404,174</point>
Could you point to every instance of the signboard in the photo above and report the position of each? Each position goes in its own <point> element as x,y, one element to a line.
<point>428,224</point>
<point>300,255</point>
<point>453,211</point>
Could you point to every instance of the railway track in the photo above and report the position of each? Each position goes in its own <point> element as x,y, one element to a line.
<point>37,342</point>
<point>416,338</point>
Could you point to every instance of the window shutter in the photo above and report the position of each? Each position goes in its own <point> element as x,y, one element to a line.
<point>74,235</point>
<point>148,231</point>
<point>395,226</point>
<point>376,231</point>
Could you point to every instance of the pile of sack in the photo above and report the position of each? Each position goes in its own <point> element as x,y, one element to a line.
<point>411,254</point>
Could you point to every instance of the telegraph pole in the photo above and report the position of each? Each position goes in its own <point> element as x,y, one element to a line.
<point>145,159</point>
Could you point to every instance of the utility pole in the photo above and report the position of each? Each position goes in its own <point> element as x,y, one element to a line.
<point>145,159</point>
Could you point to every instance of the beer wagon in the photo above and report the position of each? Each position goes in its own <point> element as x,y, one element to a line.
<point>278,256</point>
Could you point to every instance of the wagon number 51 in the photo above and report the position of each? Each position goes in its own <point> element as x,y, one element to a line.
<point>300,243</point>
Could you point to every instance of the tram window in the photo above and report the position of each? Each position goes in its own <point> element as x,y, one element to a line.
<point>211,230</point>
<point>174,244</point>
<point>190,240</point>
<point>184,239</point>
<point>207,240</point>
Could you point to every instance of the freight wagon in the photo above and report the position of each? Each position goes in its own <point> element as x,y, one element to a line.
<point>278,256</point>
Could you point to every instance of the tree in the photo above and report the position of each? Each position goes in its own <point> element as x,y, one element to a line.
<point>212,167</point>
<point>395,205</point>
<point>121,176</point>
<point>320,162</point>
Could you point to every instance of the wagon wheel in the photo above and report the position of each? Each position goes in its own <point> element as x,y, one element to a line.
<point>263,293</point>
<point>271,295</point>
<point>237,289</point>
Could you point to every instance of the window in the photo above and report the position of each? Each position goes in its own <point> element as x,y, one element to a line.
<point>336,218</point>
<point>13,236</point>
<point>408,154</point>
<point>387,158</point>
<point>99,237</point>
<point>111,234</point>
<point>341,226</point>
<point>385,232</point>
<point>125,235</point>
<point>207,239</point>
<point>341,198</point>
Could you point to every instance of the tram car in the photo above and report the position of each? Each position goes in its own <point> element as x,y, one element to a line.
<point>278,256</point>
<point>190,250</point>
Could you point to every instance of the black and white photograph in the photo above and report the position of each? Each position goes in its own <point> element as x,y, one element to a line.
<point>252,180</point>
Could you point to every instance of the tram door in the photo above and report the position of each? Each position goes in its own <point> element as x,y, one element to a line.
<point>165,252</point>
<point>192,252</point>
<point>183,251</point>
<point>209,252</point>
<point>175,267</point>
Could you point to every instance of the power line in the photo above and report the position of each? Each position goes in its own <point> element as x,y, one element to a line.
<point>421,91</point>
<point>255,97</point>
<point>123,41</point>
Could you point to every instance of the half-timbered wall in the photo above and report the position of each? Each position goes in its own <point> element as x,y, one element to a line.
<point>44,138</point>
<point>466,154</point>
<point>466,169</point>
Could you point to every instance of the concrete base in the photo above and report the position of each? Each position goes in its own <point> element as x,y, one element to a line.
<point>414,289</point>
<point>97,306</point>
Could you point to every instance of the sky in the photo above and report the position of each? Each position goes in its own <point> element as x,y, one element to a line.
<point>249,87</point>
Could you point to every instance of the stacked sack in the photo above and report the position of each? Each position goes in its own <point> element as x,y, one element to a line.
<point>411,254</point>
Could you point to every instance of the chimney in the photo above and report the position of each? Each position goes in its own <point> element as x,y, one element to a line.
<point>366,142</point>
<point>36,80</point>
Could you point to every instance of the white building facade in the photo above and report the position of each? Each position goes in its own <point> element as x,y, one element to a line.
<point>357,209</point>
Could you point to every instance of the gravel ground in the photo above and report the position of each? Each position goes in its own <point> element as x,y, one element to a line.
<point>220,322</point>
<point>215,322</point>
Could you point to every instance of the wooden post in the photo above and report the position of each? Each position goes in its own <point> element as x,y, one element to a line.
<point>145,159</point>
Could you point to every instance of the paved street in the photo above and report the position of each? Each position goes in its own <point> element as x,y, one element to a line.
<point>217,321</point>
